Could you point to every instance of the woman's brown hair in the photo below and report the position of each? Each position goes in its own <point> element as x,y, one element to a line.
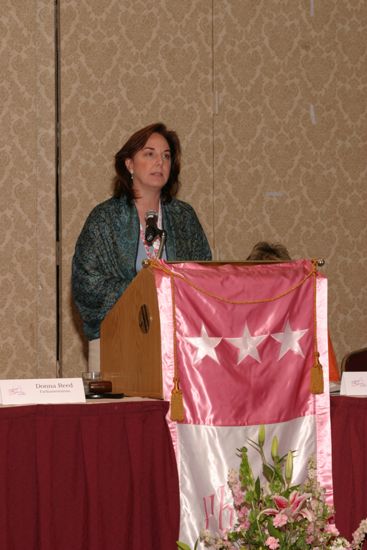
<point>123,184</point>
<point>263,251</point>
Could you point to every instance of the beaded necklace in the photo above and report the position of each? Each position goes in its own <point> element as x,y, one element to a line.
<point>152,249</point>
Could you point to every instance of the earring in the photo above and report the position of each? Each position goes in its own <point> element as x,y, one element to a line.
<point>132,174</point>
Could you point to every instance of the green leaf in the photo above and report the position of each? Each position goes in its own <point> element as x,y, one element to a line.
<point>273,531</point>
<point>257,488</point>
<point>279,476</point>
<point>268,472</point>
<point>246,475</point>
<point>254,445</point>
<point>184,546</point>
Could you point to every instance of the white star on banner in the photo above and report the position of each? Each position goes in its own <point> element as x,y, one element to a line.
<point>205,345</point>
<point>289,340</point>
<point>247,344</point>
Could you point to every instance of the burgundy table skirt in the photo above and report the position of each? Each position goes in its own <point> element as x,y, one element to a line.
<point>88,477</point>
<point>349,454</point>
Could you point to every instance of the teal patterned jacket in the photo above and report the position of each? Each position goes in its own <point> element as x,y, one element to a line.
<point>104,263</point>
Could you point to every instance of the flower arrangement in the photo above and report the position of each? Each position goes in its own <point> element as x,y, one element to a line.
<point>276,515</point>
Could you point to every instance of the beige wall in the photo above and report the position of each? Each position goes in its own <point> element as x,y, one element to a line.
<point>290,143</point>
<point>269,99</point>
<point>27,184</point>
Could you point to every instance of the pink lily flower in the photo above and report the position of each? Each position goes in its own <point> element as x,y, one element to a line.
<point>290,507</point>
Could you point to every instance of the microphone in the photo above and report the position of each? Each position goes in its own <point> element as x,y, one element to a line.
<point>151,228</point>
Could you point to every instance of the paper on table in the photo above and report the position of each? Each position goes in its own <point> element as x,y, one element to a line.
<point>42,390</point>
<point>354,384</point>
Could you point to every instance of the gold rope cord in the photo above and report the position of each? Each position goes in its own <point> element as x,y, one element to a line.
<point>177,409</point>
<point>156,265</point>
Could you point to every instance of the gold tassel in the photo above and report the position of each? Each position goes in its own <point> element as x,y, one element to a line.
<point>317,379</point>
<point>177,408</point>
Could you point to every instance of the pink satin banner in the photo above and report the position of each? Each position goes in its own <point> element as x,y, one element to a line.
<point>246,364</point>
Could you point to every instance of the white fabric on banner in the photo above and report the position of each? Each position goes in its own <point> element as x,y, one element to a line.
<point>206,454</point>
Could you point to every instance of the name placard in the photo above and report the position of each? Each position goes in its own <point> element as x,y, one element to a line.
<point>41,391</point>
<point>354,383</point>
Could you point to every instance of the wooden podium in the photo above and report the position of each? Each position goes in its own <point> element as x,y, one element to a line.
<point>131,340</point>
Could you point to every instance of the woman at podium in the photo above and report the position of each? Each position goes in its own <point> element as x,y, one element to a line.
<point>128,228</point>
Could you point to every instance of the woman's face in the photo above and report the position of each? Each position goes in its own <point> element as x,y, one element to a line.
<point>151,165</point>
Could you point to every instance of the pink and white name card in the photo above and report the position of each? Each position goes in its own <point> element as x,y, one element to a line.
<point>354,384</point>
<point>41,391</point>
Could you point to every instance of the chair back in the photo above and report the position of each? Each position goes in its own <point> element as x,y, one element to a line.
<point>355,361</point>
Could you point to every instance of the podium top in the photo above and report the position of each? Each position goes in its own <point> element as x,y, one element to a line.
<point>320,262</point>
